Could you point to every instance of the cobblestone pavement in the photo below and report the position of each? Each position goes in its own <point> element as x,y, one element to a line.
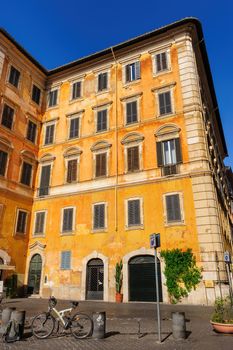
<point>128,326</point>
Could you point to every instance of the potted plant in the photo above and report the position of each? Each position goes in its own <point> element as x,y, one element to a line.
<point>119,279</point>
<point>222,318</point>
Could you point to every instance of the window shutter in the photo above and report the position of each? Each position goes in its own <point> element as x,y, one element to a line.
<point>162,109</point>
<point>21,222</point>
<point>178,151</point>
<point>127,73</point>
<point>168,105</point>
<point>101,166</point>
<point>65,260</point>
<point>44,180</point>
<point>137,70</point>
<point>67,220</point>
<point>7,116</point>
<point>49,134</point>
<point>158,63</point>
<point>173,208</point>
<point>159,154</point>
<point>99,216</point>
<point>134,212</point>
<point>3,161</point>
<point>74,128</point>
<point>26,174</point>
<point>39,225</point>
<point>72,170</point>
<point>76,91</point>
<point>164,60</point>
<point>31,132</point>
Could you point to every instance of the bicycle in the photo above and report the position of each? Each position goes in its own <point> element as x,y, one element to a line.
<point>80,325</point>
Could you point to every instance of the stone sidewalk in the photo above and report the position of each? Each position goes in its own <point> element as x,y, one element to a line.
<point>128,326</point>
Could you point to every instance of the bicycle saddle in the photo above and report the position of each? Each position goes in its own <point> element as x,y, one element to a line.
<point>74,303</point>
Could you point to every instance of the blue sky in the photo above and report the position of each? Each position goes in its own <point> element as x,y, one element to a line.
<point>56,32</point>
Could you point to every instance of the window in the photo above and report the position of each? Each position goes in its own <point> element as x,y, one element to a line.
<point>99,216</point>
<point>134,215</point>
<point>39,223</point>
<point>49,134</point>
<point>3,162</point>
<point>68,219</point>
<point>131,112</point>
<point>44,180</point>
<point>36,92</point>
<point>101,124</point>
<point>26,174</point>
<point>21,221</point>
<point>65,260</point>
<point>31,131</point>
<point>102,81</point>
<point>14,76</point>
<point>165,104</point>
<point>161,62</point>
<point>169,152</point>
<point>173,209</point>
<point>133,159</point>
<point>52,98</point>
<point>132,72</point>
<point>100,164</point>
<point>76,90</point>
<point>7,116</point>
<point>74,127</point>
<point>72,166</point>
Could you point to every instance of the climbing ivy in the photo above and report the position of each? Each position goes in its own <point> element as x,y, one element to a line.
<point>181,273</point>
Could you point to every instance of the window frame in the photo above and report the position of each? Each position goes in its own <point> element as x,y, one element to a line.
<point>41,165</point>
<point>105,228</point>
<point>48,124</point>
<point>40,234</point>
<point>25,161</point>
<point>68,232</point>
<point>36,133</point>
<point>106,165</point>
<point>70,259</point>
<point>67,160</point>
<point>99,110</point>
<point>70,117</point>
<point>55,88</point>
<point>136,141</point>
<point>165,89</point>
<point>6,103</point>
<point>130,63</point>
<point>141,204</point>
<point>41,93</point>
<point>181,202</point>
<point>11,65</point>
<point>78,81</point>
<point>125,100</point>
<point>18,210</point>
<point>7,162</point>
<point>98,91</point>
<point>154,54</point>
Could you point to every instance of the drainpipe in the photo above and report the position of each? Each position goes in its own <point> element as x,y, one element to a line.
<point>116,142</point>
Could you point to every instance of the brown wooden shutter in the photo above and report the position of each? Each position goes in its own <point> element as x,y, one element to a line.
<point>101,164</point>
<point>44,180</point>
<point>160,161</point>
<point>178,151</point>
<point>72,170</point>
<point>137,70</point>
<point>134,212</point>
<point>3,161</point>
<point>127,73</point>
<point>99,216</point>
<point>173,208</point>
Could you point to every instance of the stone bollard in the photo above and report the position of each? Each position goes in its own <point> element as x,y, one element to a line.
<point>99,325</point>
<point>6,315</point>
<point>178,325</point>
<point>19,318</point>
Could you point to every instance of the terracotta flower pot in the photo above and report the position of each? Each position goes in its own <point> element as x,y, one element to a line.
<point>222,327</point>
<point>119,297</point>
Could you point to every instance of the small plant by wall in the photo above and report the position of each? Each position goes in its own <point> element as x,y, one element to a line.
<point>181,272</point>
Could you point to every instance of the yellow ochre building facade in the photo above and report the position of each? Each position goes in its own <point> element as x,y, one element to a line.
<point>124,143</point>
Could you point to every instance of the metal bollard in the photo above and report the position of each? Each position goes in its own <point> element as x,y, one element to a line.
<point>19,318</point>
<point>6,315</point>
<point>99,325</point>
<point>178,325</point>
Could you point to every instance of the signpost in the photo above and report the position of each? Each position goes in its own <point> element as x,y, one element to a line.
<point>155,243</point>
<point>227,259</point>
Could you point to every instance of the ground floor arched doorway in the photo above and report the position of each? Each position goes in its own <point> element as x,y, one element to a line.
<point>95,280</point>
<point>142,285</point>
<point>34,275</point>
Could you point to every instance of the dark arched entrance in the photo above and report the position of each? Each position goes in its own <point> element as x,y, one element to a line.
<point>95,280</point>
<point>34,275</point>
<point>142,285</point>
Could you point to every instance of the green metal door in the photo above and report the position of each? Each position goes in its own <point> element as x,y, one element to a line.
<point>34,274</point>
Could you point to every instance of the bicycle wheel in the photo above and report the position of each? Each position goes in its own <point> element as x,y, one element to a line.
<point>43,325</point>
<point>81,326</point>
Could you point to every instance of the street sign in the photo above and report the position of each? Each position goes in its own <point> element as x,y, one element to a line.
<point>227,257</point>
<point>155,240</point>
